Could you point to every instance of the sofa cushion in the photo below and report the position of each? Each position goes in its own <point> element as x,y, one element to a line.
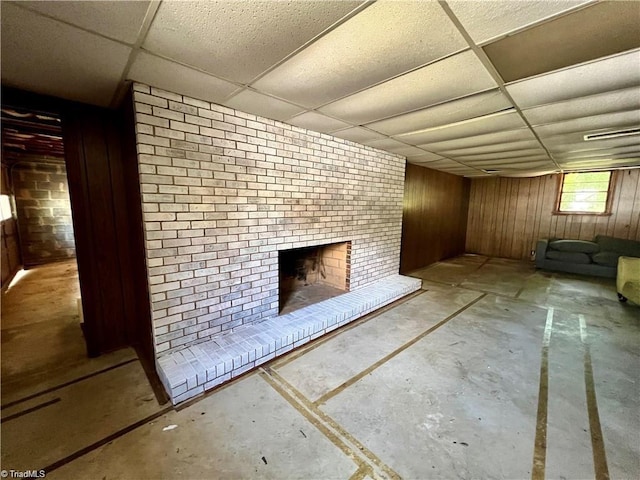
<point>609,259</point>
<point>628,248</point>
<point>570,257</point>
<point>580,246</point>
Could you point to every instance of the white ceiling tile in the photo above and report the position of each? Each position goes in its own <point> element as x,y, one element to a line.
<point>496,122</point>
<point>317,122</point>
<point>406,150</point>
<point>239,40</point>
<point>612,73</point>
<point>453,77</point>
<point>445,113</point>
<point>611,152</point>
<point>489,19</point>
<point>608,102</point>
<point>594,124</point>
<point>574,142</point>
<point>424,157</point>
<point>493,148</point>
<point>388,144</point>
<point>358,134</point>
<point>400,36</point>
<point>119,20</point>
<point>600,163</point>
<point>263,105</point>
<point>36,57</point>
<point>526,153</point>
<point>161,73</point>
<point>480,140</point>
<point>507,165</point>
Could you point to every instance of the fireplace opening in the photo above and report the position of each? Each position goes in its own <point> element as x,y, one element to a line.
<point>311,274</point>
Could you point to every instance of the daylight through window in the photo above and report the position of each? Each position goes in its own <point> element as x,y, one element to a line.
<point>585,192</point>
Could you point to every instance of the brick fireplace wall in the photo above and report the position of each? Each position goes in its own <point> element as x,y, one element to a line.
<point>223,191</point>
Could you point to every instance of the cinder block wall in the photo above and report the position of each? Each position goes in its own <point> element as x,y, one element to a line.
<point>44,211</point>
<point>224,191</point>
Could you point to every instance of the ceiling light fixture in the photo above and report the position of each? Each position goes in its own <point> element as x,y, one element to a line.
<point>613,134</point>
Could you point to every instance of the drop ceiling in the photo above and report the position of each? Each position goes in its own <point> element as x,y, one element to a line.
<point>459,86</point>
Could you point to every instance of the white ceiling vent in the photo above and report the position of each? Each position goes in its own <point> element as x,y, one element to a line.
<point>612,134</point>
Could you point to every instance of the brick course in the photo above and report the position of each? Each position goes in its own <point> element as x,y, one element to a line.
<point>223,191</point>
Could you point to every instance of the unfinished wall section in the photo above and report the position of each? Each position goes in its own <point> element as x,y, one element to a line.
<point>223,191</point>
<point>44,211</point>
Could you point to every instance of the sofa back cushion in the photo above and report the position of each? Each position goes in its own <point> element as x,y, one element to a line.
<point>579,246</point>
<point>628,248</point>
<point>608,259</point>
<point>569,257</point>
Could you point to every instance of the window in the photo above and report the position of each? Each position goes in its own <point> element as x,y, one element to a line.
<point>5,207</point>
<point>585,193</point>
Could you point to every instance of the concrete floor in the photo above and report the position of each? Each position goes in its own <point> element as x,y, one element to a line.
<point>456,381</point>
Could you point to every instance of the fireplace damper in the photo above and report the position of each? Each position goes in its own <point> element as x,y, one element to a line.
<point>311,274</point>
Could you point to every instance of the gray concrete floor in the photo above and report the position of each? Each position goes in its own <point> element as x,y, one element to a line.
<point>453,382</point>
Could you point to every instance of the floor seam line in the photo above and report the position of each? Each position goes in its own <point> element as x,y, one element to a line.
<point>330,394</point>
<point>371,459</point>
<point>597,439</point>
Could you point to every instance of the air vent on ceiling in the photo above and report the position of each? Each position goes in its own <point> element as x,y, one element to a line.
<point>613,134</point>
<point>488,170</point>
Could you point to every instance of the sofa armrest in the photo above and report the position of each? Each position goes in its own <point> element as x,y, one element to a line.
<point>628,271</point>
<point>541,251</point>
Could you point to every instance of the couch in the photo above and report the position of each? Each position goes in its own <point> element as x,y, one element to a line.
<point>628,280</point>
<point>598,258</point>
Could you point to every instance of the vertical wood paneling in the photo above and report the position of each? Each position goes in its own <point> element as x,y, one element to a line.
<point>434,222</point>
<point>507,216</point>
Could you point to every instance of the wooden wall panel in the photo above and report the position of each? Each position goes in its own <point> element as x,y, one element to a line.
<point>434,217</point>
<point>507,216</point>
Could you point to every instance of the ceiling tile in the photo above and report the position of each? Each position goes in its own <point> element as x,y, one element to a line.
<point>526,153</point>
<point>388,144</point>
<point>490,19</point>
<point>119,20</point>
<point>358,134</point>
<point>341,63</point>
<point>480,140</point>
<point>317,122</point>
<point>602,29</point>
<point>424,157</point>
<point>493,148</point>
<point>608,102</point>
<point>239,40</point>
<point>515,165</point>
<point>263,105</point>
<point>612,73</point>
<point>445,113</point>
<point>594,124</point>
<point>599,163</point>
<point>574,142</point>
<point>453,77</point>
<point>36,57</point>
<point>611,152</point>
<point>405,151</point>
<point>476,126</point>
<point>161,73</point>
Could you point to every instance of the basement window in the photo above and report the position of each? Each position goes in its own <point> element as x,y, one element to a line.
<point>586,193</point>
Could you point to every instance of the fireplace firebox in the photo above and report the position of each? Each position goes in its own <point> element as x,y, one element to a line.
<point>311,274</point>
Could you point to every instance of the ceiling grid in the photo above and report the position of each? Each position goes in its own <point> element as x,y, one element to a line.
<point>420,78</point>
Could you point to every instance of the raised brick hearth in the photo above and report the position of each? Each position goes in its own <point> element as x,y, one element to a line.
<point>191,371</point>
<point>224,192</point>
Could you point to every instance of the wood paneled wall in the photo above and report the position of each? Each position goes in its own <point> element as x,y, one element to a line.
<point>434,218</point>
<point>507,216</point>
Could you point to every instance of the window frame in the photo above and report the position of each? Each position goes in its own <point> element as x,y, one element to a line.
<point>608,204</point>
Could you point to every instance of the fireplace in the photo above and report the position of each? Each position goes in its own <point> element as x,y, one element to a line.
<point>311,274</point>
